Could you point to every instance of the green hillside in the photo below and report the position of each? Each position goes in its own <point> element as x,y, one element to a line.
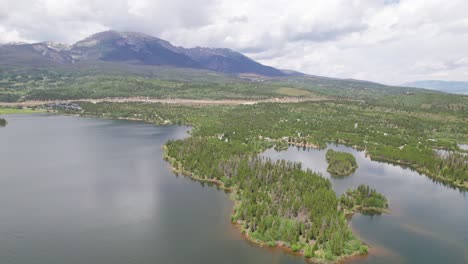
<point>123,80</point>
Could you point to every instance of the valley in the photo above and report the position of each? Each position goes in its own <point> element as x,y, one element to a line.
<point>240,113</point>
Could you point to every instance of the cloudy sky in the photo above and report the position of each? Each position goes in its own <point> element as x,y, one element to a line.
<point>388,41</point>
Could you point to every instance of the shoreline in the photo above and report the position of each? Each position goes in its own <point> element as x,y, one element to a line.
<point>239,225</point>
<point>177,167</point>
<point>357,209</point>
<point>423,171</point>
<point>347,173</point>
<point>419,169</point>
<point>288,250</point>
<point>13,111</point>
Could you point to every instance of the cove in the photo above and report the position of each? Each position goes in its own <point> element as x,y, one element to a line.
<point>79,190</point>
<point>428,222</point>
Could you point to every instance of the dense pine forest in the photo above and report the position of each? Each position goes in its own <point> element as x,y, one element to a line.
<point>405,137</point>
<point>340,163</point>
<point>102,81</point>
<point>277,202</point>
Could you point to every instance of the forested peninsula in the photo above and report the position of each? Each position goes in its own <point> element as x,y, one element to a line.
<point>393,134</point>
<point>278,203</point>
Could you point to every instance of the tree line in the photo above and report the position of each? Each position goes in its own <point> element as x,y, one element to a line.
<point>277,201</point>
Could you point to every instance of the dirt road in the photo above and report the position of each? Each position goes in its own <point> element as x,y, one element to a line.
<point>173,101</point>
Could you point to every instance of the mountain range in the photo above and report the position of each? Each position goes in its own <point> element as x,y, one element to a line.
<point>132,48</point>
<point>48,66</point>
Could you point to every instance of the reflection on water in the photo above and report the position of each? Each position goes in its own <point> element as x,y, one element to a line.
<point>76,190</point>
<point>428,220</point>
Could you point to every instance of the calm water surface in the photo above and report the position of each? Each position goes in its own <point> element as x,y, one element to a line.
<point>85,191</point>
<point>428,223</point>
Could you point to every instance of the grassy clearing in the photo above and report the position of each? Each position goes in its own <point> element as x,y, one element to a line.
<point>9,111</point>
<point>293,92</point>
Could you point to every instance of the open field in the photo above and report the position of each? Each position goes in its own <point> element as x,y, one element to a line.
<point>7,111</point>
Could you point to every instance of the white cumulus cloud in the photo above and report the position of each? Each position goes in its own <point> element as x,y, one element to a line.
<point>387,41</point>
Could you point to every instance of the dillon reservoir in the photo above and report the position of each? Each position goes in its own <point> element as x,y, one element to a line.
<point>80,190</point>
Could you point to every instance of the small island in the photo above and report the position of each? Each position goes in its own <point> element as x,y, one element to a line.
<point>3,122</point>
<point>340,163</point>
<point>365,200</point>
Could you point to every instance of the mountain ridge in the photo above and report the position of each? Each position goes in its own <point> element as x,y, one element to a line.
<point>135,48</point>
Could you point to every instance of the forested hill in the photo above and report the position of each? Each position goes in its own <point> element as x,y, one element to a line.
<point>117,79</point>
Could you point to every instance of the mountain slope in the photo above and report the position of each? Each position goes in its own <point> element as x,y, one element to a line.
<point>131,48</point>
<point>443,86</point>
<point>229,61</point>
<point>37,54</point>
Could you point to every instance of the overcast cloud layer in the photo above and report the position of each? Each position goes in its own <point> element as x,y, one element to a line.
<point>388,41</point>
